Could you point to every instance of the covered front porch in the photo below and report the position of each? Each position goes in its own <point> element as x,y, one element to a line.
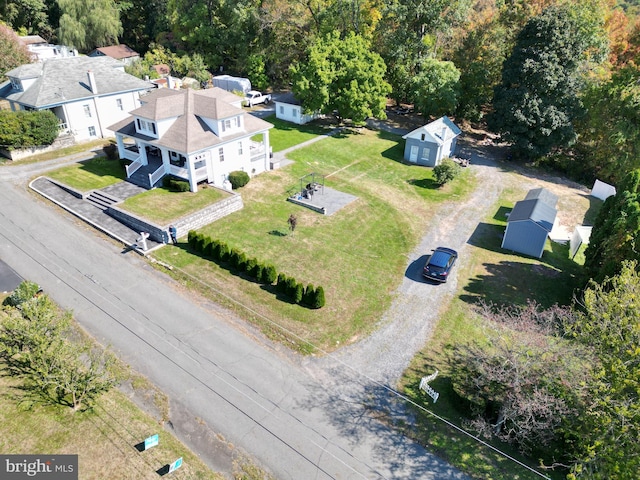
<point>149,163</point>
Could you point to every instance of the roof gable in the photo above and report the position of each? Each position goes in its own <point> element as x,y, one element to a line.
<point>438,131</point>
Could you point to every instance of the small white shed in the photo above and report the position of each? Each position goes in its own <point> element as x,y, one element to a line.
<point>289,109</point>
<point>429,144</point>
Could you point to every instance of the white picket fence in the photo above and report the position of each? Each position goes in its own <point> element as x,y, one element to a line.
<point>424,386</point>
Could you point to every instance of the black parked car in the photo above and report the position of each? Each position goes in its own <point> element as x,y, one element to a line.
<point>439,264</point>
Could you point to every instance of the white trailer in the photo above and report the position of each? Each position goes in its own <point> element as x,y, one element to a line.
<point>232,84</point>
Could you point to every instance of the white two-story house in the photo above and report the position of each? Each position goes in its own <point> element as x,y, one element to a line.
<point>195,135</point>
<point>86,94</point>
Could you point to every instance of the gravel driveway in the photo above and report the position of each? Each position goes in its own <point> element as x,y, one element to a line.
<point>358,372</point>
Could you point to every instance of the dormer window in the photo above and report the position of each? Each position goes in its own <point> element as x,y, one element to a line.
<point>15,83</point>
<point>145,126</point>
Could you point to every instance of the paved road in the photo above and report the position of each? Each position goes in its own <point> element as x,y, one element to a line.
<point>260,399</point>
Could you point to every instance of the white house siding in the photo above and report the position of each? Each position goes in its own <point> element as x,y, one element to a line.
<point>293,113</point>
<point>103,111</point>
<point>109,113</point>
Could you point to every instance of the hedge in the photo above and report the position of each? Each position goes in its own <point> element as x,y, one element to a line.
<point>24,128</point>
<point>266,274</point>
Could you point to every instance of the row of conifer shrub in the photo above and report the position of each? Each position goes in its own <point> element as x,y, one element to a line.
<point>266,274</point>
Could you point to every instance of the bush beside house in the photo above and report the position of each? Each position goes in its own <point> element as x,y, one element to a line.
<point>446,171</point>
<point>24,128</point>
<point>238,179</point>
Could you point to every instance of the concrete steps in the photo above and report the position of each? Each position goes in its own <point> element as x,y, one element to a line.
<point>101,200</point>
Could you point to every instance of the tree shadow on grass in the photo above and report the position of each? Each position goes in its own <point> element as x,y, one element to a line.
<point>514,283</point>
<point>428,183</point>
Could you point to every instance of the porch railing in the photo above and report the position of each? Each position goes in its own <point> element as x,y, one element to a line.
<point>201,174</point>
<point>133,168</point>
<point>156,176</point>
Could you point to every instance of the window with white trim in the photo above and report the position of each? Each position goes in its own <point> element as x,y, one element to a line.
<point>295,113</point>
<point>281,109</point>
<point>236,122</point>
<point>87,111</point>
<point>239,148</point>
<point>92,131</point>
<point>221,154</point>
<point>119,104</point>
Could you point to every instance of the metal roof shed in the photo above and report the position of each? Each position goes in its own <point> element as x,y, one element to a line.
<point>530,222</point>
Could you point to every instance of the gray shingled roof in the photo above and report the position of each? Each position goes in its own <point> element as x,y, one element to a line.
<point>62,80</point>
<point>189,133</point>
<point>543,194</point>
<point>535,210</point>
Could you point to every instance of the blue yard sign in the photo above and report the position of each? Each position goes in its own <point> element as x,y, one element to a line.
<point>175,465</point>
<point>152,441</point>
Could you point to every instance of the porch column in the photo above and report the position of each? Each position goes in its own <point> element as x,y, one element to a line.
<point>267,151</point>
<point>165,160</point>
<point>191,170</point>
<point>121,148</point>
<point>143,153</point>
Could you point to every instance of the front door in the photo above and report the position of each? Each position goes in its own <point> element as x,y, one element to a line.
<point>413,156</point>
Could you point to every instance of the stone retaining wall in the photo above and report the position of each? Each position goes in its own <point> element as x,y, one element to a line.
<point>191,222</point>
<point>19,154</point>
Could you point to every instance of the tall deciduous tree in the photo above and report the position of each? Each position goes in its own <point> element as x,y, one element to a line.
<point>537,100</point>
<point>86,24</point>
<point>521,390</point>
<point>28,16</point>
<point>343,76</point>
<point>223,32</point>
<point>607,437</point>
<point>436,88</point>
<point>535,103</point>
<point>610,131</point>
<point>143,21</point>
<point>12,52</point>
<point>616,231</point>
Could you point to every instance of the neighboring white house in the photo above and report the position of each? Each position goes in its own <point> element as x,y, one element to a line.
<point>122,53</point>
<point>196,135</point>
<point>86,94</point>
<point>429,144</point>
<point>288,108</point>
<point>41,50</point>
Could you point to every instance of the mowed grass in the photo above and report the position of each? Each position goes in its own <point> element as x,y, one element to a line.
<point>104,438</point>
<point>358,255</point>
<point>493,275</point>
<point>286,134</point>
<point>161,205</point>
<point>90,174</point>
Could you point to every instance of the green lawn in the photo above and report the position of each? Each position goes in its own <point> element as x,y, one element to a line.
<point>286,134</point>
<point>497,276</point>
<point>163,206</point>
<point>90,174</point>
<point>358,255</point>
